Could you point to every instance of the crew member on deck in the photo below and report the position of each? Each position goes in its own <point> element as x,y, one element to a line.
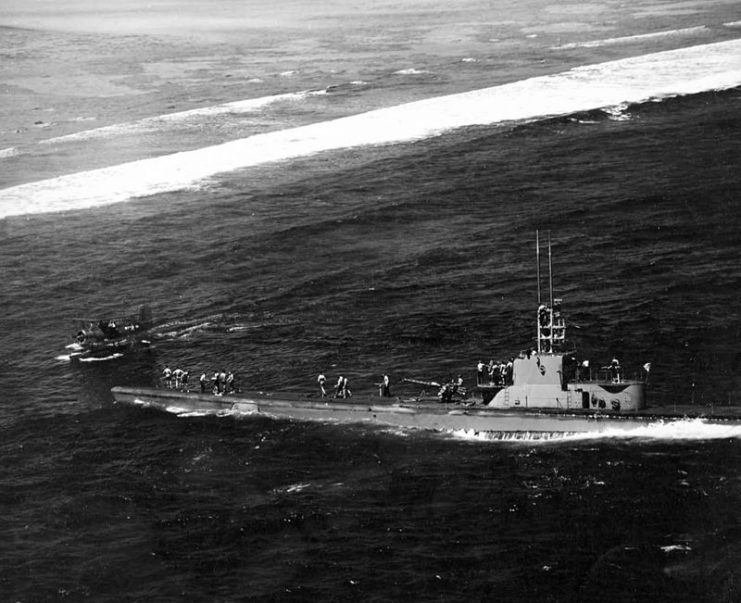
<point>386,387</point>
<point>338,387</point>
<point>321,380</point>
<point>457,384</point>
<point>178,375</point>
<point>480,373</point>
<point>167,376</point>
<point>202,381</point>
<point>615,370</point>
<point>543,317</point>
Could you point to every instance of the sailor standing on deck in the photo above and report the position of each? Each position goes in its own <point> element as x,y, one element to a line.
<point>615,370</point>
<point>321,380</point>
<point>386,387</point>
<point>338,387</point>
<point>346,393</point>
<point>167,376</point>
<point>480,373</point>
<point>202,381</point>
<point>178,375</point>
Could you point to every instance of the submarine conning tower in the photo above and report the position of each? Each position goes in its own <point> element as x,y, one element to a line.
<point>550,377</point>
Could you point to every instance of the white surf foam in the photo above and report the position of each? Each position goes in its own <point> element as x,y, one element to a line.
<point>411,71</point>
<point>618,112</point>
<point>154,123</point>
<point>292,489</point>
<point>631,39</point>
<point>672,548</point>
<point>9,152</point>
<point>636,79</point>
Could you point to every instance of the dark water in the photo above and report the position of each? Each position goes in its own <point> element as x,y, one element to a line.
<point>417,263</point>
<point>415,259</point>
<point>148,506</point>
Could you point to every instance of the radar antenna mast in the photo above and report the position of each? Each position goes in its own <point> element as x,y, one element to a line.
<point>537,261</point>
<point>551,326</point>
<point>550,270</point>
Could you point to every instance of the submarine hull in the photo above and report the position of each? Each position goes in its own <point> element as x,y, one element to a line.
<point>402,413</point>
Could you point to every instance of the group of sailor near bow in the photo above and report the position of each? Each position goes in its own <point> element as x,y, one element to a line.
<point>221,383</point>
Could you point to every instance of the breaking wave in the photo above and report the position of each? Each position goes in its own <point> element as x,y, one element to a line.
<point>632,39</point>
<point>156,123</point>
<point>632,80</point>
<point>411,71</point>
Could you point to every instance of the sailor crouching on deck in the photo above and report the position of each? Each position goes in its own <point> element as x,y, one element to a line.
<point>341,389</point>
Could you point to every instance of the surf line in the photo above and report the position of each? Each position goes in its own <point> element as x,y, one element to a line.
<point>149,124</point>
<point>632,80</point>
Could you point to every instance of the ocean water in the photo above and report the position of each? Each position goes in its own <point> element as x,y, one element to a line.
<point>356,190</point>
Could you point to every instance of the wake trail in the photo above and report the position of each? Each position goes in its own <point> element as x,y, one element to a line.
<point>679,430</point>
<point>633,80</point>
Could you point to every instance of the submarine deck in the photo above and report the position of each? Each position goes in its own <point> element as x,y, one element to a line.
<point>424,413</point>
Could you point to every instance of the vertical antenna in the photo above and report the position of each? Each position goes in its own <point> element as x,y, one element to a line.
<point>537,261</point>
<point>550,269</point>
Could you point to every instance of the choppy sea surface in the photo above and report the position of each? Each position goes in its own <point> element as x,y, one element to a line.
<point>356,191</point>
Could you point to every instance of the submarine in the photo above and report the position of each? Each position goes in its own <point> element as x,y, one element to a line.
<point>542,390</point>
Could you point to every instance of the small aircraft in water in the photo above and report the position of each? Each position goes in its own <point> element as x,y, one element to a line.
<point>108,338</point>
